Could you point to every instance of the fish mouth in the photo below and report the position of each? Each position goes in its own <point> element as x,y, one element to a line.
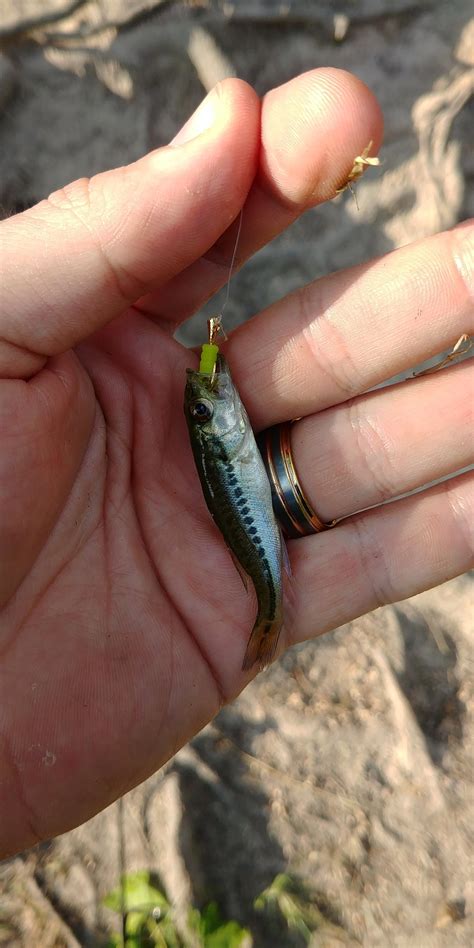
<point>218,384</point>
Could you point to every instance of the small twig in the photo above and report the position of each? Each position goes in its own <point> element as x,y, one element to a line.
<point>358,168</point>
<point>456,353</point>
<point>308,782</point>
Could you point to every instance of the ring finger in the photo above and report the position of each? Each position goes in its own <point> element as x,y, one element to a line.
<point>367,450</point>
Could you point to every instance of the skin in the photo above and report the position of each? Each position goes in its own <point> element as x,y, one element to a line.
<point>111,656</point>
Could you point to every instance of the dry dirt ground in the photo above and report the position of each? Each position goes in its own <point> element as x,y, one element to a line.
<point>349,763</point>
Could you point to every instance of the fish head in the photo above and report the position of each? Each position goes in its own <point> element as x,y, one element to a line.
<point>212,406</point>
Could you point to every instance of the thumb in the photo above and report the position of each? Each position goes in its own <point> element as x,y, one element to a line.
<point>79,258</point>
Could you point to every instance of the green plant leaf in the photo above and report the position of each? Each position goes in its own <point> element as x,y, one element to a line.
<point>282,898</point>
<point>228,935</point>
<point>210,918</point>
<point>138,893</point>
<point>114,941</point>
<point>214,932</point>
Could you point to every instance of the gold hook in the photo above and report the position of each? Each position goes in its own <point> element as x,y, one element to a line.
<point>215,327</point>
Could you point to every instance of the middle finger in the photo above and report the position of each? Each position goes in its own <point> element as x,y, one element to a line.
<point>347,332</point>
<point>367,451</point>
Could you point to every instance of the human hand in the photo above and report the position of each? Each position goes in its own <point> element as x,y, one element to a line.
<point>123,621</point>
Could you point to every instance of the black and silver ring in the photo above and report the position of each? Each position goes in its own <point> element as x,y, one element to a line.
<point>292,508</point>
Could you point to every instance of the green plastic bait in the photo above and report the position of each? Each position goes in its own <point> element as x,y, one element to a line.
<point>208,361</point>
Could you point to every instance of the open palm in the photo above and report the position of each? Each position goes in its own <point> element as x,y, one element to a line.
<point>124,622</point>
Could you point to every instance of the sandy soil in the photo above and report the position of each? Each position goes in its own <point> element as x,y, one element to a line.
<point>348,764</point>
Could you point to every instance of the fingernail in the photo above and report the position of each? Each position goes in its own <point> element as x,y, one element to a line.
<point>201,120</point>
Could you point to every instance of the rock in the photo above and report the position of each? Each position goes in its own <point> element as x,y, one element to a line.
<point>464,51</point>
<point>30,14</point>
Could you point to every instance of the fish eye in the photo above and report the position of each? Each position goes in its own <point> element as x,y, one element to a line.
<point>202,410</point>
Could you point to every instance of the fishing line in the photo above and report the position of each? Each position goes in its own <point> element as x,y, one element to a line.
<point>234,254</point>
<point>210,350</point>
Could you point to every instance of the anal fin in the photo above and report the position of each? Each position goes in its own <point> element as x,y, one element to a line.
<point>262,644</point>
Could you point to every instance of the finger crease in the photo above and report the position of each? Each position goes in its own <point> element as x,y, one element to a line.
<point>373,453</point>
<point>20,787</point>
<point>16,349</point>
<point>322,336</point>
<point>118,275</point>
<point>374,564</point>
<point>461,515</point>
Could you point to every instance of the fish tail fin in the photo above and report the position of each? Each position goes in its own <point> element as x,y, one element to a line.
<point>262,644</point>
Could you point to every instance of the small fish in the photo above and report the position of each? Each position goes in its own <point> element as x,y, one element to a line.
<point>237,492</point>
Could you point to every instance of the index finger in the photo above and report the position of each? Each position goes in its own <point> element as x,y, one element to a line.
<point>312,128</point>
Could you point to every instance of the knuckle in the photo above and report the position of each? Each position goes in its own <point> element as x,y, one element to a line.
<point>374,564</point>
<point>325,342</point>
<point>73,197</point>
<point>374,451</point>
<point>461,507</point>
<point>87,202</point>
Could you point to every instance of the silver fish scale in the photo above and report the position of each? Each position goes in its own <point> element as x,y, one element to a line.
<point>238,495</point>
<point>245,495</point>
